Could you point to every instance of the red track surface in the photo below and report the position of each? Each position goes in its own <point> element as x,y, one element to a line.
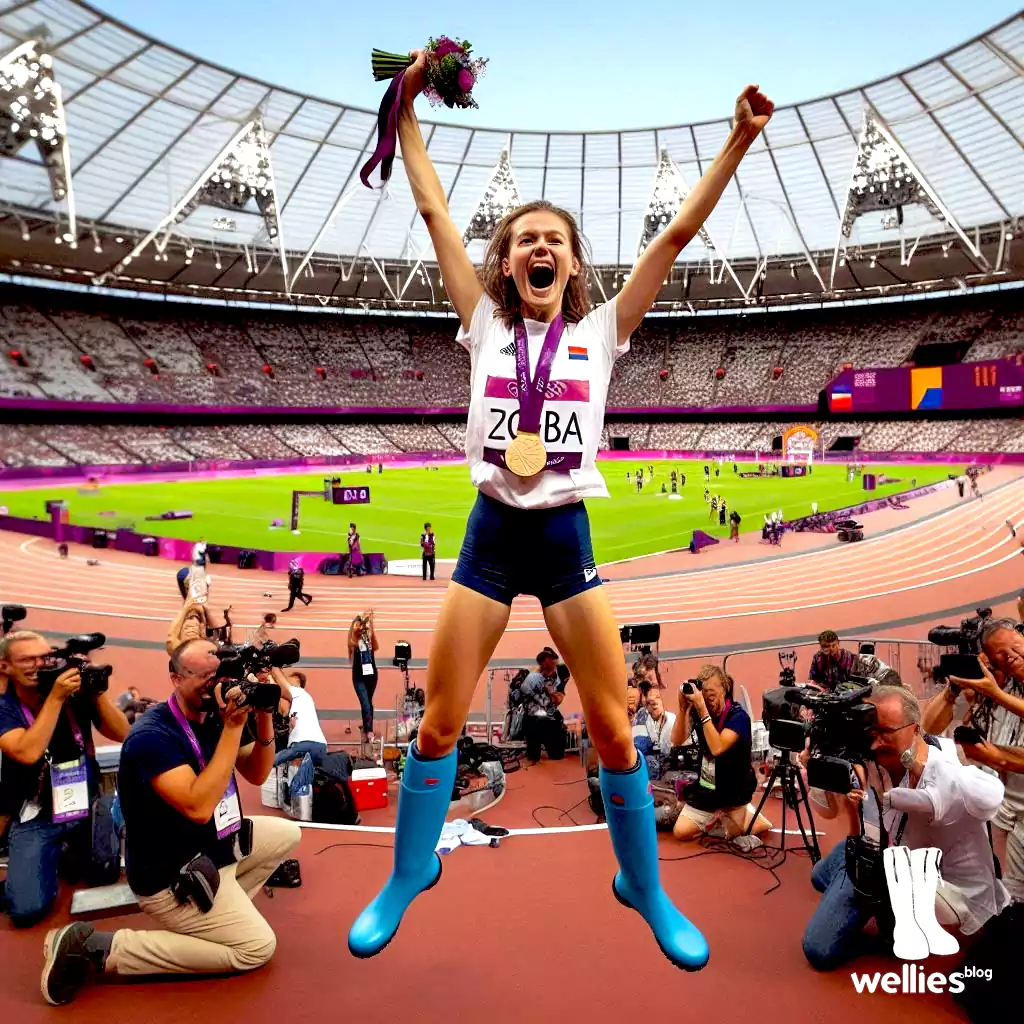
<point>530,932</point>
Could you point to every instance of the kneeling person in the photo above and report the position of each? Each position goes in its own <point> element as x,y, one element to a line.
<point>183,819</point>
<point>726,783</point>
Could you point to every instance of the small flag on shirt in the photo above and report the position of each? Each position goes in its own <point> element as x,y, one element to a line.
<point>577,352</point>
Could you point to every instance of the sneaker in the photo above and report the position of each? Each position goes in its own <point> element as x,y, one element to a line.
<point>67,962</point>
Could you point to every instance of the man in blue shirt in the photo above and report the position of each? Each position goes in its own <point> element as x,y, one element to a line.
<point>49,770</point>
<point>183,817</point>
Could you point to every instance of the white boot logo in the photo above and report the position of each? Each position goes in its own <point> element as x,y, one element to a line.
<point>913,878</point>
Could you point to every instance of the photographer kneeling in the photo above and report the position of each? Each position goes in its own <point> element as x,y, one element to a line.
<point>726,779</point>
<point>49,770</point>
<point>193,861</point>
<point>937,802</point>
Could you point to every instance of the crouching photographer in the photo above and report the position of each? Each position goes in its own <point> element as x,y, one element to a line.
<point>193,861</point>
<point>920,798</point>
<point>726,779</point>
<point>53,700</point>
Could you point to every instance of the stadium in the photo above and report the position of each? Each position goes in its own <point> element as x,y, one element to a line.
<point>212,335</point>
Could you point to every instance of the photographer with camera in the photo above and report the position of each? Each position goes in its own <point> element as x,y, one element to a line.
<point>362,645</point>
<point>993,734</point>
<point>933,801</point>
<point>193,861</point>
<point>726,781</point>
<point>48,765</point>
<point>542,692</point>
<point>832,665</point>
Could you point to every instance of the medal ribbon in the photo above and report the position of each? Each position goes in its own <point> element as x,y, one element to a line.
<point>531,393</point>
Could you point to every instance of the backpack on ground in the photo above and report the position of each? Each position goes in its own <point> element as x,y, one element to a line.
<point>333,801</point>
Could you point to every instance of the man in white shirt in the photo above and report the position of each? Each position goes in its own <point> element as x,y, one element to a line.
<point>304,735</point>
<point>935,802</point>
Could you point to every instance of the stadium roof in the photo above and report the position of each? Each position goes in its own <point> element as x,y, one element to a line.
<point>911,182</point>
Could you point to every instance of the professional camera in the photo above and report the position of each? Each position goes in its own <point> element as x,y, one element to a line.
<point>10,614</point>
<point>403,655</point>
<point>95,678</point>
<point>838,731</point>
<point>237,664</point>
<point>691,686</point>
<point>967,638</point>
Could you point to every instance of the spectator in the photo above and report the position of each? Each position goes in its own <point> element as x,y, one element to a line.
<point>726,782</point>
<point>362,643</point>
<point>184,819</point>
<point>47,747</point>
<point>634,698</point>
<point>936,802</point>
<point>305,735</point>
<point>832,665</point>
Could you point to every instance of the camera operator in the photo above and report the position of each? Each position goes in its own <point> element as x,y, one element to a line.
<point>542,693</point>
<point>726,780</point>
<point>832,664</point>
<point>193,861</point>
<point>304,734</point>
<point>362,643</point>
<point>997,719</point>
<point>933,801</point>
<point>49,770</point>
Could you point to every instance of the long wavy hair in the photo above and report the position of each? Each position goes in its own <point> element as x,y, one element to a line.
<point>576,302</point>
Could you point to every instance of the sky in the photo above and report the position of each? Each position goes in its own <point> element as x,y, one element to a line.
<point>581,65</point>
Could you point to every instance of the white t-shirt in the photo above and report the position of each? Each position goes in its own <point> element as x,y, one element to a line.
<point>306,726</point>
<point>573,412</point>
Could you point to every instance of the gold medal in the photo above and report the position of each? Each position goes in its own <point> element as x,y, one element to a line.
<point>526,456</point>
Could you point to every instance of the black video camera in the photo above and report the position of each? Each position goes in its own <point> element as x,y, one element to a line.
<point>403,655</point>
<point>966,638</point>
<point>237,664</point>
<point>838,730</point>
<point>10,614</point>
<point>95,678</point>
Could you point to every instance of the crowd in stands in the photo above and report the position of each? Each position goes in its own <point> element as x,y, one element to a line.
<point>68,348</point>
<point>27,444</point>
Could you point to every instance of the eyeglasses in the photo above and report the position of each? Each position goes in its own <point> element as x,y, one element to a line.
<point>879,731</point>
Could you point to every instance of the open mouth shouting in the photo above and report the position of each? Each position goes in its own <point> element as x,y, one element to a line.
<point>541,276</point>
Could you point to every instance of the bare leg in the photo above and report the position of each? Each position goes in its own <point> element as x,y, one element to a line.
<point>468,629</point>
<point>583,627</point>
<point>584,631</point>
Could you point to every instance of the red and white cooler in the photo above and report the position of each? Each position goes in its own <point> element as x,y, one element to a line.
<point>370,788</point>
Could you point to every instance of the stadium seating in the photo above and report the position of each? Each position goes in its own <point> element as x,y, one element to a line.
<point>194,355</point>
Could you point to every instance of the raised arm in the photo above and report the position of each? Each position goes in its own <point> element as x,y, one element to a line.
<point>753,111</point>
<point>460,276</point>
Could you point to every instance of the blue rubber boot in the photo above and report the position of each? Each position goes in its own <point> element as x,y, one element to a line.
<point>629,808</point>
<point>422,804</point>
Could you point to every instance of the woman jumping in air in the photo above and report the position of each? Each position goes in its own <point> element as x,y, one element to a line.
<point>542,360</point>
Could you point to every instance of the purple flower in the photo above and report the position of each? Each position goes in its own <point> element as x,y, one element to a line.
<point>446,46</point>
<point>466,80</point>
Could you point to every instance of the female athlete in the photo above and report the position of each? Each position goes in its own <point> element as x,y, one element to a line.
<point>541,364</point>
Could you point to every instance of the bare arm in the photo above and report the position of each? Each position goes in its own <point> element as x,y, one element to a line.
<point>753,111</point>
<point>28,745</point>
<point>938,712</point>
<point>1003,759</point>
<point>112,721</point>
<point>197,796</point>
<point>460,277</point>
<point>255,760</point>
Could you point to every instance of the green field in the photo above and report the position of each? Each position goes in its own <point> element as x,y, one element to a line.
<point>239,511</point>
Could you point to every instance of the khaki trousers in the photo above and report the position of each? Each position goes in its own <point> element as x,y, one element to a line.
<point>233,936</point>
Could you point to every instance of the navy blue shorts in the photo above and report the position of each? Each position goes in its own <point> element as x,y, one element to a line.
<point>543,552</point>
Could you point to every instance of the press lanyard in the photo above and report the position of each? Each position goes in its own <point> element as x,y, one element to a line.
<point>531,393</point>
<point>30,720</point>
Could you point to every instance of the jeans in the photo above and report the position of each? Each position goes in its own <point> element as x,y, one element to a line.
<point>34,856</point>
<point>834,933</point>
<point>547,731</point>
<point>364,691</point>
<point>315,750</point>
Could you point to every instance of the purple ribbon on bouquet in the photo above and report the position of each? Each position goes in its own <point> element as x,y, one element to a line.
<point>387,134</point>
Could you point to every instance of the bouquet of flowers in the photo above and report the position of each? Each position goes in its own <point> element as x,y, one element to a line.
<point>452,71</point>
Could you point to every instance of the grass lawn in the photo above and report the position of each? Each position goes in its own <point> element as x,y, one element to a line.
<point>239,511</point>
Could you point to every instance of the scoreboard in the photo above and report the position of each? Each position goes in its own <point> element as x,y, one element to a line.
<point>963,386</point>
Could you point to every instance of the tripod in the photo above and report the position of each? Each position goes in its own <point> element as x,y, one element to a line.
<point>794,795</point>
